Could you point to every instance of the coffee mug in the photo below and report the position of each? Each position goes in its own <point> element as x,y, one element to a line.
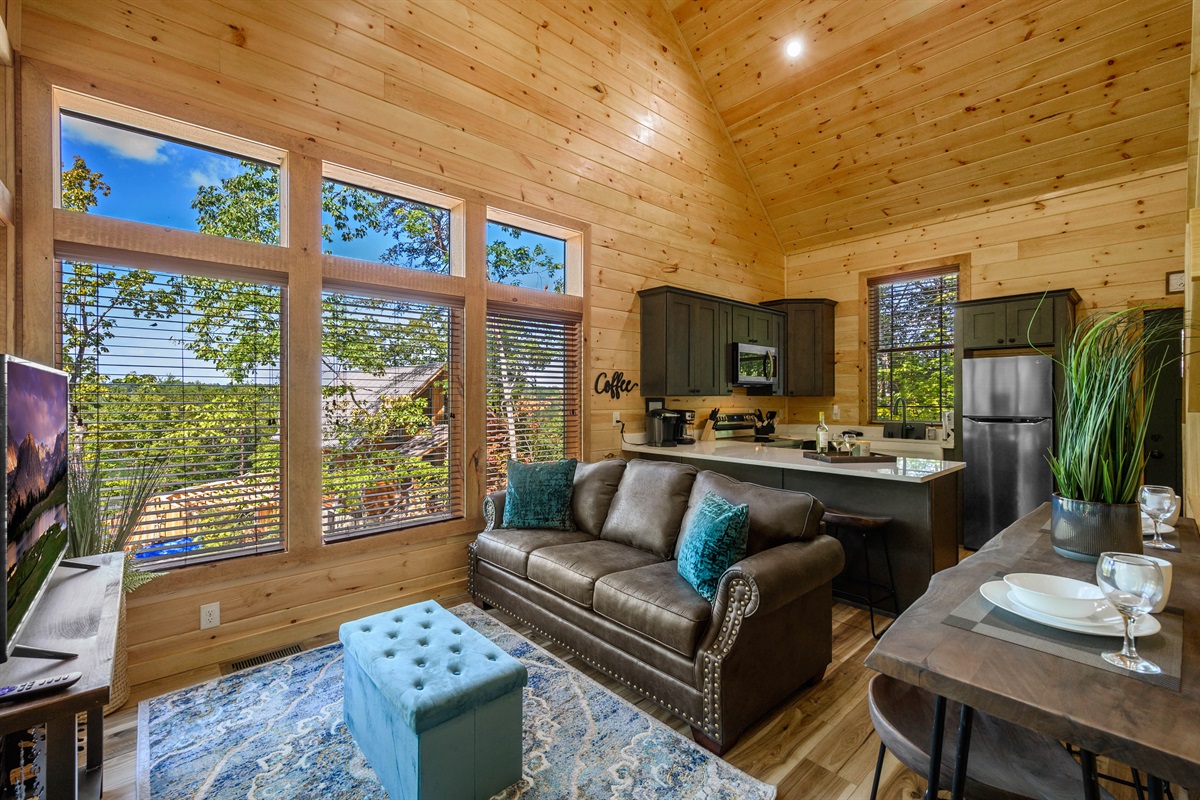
<point>1165,566</point>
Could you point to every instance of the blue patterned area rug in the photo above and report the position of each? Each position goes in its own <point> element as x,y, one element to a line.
<point>276,732</point>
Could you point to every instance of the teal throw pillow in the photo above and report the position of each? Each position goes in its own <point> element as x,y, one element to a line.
<point>715,540</point>
<point>539,495</point>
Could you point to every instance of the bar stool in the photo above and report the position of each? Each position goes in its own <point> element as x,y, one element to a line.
<point>1007,761</point>
<point>868,529</point>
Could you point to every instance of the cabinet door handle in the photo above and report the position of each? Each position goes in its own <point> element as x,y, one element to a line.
<point>999,341</point>
<point>1012,340</point>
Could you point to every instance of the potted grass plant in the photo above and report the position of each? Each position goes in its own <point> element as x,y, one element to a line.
<point>103,522</point>
<point>1101,418</point>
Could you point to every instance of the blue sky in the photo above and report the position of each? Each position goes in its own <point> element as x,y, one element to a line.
<point>155,180</point>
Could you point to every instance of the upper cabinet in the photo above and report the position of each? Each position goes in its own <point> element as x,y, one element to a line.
<point>752,325</point>
<point>1017,321</point>
<point>808,346</point>
<point>684,343</point>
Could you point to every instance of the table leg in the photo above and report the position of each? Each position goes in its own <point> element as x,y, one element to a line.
<point>95,739</point>
<point>61,769</point>
<point>935,747</point>
<point>963,749</point>
<point>1155,786</point>
<point>1091,785</point>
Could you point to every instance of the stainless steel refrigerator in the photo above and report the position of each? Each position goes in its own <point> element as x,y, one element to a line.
<point>1007,432</point>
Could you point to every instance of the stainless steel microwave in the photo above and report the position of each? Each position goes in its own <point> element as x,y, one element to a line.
<point>754,365</point>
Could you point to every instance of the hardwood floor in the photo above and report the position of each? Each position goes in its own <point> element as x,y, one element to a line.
<point>819,745</point>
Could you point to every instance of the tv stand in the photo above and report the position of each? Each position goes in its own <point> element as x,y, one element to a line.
<point>78,613</point>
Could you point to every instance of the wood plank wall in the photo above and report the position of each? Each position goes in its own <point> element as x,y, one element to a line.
<point>1113,242</point>
<point>589,109</point>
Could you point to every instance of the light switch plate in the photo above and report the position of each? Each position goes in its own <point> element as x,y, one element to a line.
<point>1176,282</point>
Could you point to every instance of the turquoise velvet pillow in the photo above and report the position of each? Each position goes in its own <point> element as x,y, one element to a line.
<point>539,495</point>
<point>715,540</point>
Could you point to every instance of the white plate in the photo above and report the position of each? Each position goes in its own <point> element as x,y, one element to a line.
<point>1105,614</point>
<point>996,593</point>
<point>1148,527</point>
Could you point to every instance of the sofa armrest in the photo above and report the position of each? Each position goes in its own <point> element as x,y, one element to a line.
<point>779,575</point>
<point>493,510</point>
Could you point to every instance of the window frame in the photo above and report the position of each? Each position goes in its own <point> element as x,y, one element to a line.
<point>961,264</point>
<point>297,263</point>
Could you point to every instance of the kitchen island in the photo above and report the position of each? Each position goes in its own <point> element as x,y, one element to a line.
<point>922,496</point>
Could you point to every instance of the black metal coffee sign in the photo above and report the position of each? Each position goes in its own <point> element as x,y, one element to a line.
<point>614,386</point>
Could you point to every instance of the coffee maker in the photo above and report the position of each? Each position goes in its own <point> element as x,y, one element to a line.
<point>685,427</point>
<point>661,427</point>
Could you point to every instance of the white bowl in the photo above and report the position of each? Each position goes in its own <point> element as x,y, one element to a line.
<point>1055,595</point>
<point>1166,567</point>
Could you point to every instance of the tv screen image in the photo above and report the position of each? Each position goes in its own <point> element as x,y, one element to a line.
<point>35,489</point>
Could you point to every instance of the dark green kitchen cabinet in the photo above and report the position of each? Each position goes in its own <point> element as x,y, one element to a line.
<point>750,325</point>
<point>1019,321</point>
<point>807,352</point>
<point>684,342</point>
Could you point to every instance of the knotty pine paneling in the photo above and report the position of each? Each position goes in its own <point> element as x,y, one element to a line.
<point>592,110</point>
<point>899,113</point>
<point>1113,242</point>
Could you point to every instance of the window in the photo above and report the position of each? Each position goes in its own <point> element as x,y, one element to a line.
<point>388,414</point>
<point>120,171</point>
<point>179,357</point>
<point>911,323</point>
<point>177,375</point>
<point>532,392</point>
<point>520,257</point>
<point>376,226</point>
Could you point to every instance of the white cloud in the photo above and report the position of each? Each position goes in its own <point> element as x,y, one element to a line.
<point>123,143</point>
<point>212,170</point>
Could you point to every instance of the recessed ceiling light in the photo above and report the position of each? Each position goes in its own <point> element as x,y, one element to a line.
<point>794,48</point>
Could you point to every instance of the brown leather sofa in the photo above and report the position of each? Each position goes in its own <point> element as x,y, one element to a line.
<point>610,592</point>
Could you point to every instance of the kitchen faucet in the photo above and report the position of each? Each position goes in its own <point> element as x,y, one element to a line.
<point>903,404</point>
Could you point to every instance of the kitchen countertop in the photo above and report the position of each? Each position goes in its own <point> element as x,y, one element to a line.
<point>910,470</point>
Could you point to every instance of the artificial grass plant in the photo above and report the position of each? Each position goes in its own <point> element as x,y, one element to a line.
<point>1103,409</point>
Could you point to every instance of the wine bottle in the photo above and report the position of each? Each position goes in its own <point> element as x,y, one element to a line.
<point>822,433</point>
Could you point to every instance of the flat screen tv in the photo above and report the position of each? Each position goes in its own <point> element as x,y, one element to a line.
<point>34,411</point>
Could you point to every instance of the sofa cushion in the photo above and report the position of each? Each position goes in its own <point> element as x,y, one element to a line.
<point>776,515</point>
<point>572,570</point>
<point>656,602</point>
<point>510,549</point>
<point>539,495</point>
<point>595,486</point>
<point>649,506</point>
<point>713,540</point>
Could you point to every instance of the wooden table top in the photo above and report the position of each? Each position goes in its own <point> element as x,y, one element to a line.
<point>1136,723</point>
<point>77,614</point>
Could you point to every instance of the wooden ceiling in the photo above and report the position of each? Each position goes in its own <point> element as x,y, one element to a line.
<point>902,111</point>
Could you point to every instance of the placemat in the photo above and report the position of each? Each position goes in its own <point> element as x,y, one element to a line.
<point>1164,648</point>
<point>1170,537</point>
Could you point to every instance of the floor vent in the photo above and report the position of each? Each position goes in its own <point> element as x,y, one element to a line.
<point>261,658</point>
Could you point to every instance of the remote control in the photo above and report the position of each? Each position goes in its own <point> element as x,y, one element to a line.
<point>22,690</point>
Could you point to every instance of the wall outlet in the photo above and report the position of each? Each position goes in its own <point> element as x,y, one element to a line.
<point>837,412</point>
<point>210,615</point>
<point>616,418</point>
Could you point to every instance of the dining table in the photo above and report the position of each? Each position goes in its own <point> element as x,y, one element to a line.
<point>1033,679</point>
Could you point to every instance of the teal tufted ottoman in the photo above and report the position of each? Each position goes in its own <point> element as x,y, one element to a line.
<point>434,705</point>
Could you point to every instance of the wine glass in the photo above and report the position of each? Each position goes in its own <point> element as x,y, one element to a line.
<point>1133,584</point>
<point>848,440</point>
<point>1158,503</point>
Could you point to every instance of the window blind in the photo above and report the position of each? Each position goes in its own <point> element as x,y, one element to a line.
<point>178,373</point>
<point>911,323</point>
<point>389,414</point>
<point>533,395</point>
